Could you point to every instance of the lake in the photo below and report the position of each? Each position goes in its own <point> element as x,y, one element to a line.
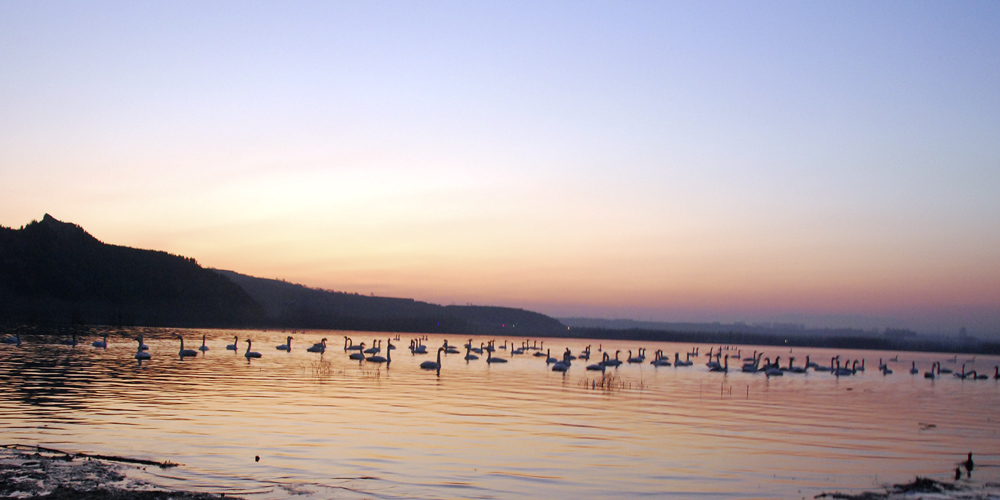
<point>325,426</point>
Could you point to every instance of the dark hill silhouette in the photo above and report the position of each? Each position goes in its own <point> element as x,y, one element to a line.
<point>53,272</point>
<point>297,306</point>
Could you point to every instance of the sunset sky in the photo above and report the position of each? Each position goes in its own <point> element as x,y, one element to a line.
<point>829,163</point>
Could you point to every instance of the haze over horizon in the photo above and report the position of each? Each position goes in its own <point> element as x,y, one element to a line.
<point>713,161</point>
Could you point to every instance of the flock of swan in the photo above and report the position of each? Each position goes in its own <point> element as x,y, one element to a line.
<point>718,360</point>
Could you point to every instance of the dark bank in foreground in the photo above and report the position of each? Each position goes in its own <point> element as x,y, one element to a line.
<point>29,472</point>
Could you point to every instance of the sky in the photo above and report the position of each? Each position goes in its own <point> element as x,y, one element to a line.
<point>829,163</point>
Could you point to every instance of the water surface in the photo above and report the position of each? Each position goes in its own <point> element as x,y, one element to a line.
<point>325,426</point>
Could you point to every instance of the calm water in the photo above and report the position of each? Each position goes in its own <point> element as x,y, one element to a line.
<point>328,427</point>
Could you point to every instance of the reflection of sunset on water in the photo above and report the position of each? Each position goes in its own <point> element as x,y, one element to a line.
<point>512,430</point>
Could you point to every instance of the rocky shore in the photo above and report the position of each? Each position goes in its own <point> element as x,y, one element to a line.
<point>29,473</point>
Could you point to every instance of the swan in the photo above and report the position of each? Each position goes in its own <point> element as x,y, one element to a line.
<point>287,346</point>
<point>374,349</point>
<point>186,352</point>
<point>795,369</point>
<point>930,374</point>
<point>687,360</point>
<point>103,344</point>
<point>968,464</point>
<point>433,365</point>
<point>450,349</point>
<point>811,364</point>
<point>886,370</point>
<point>468,354</point>
<point>996,373</point>
<point>562,366</point>
<point>613,362</point>
<point>721,368</point>
<point>14,340</point>
<point>842,371</point>
<point>203,347</point>
<point>491,359</point>
<point>712,364</point>
<point>548,357</point>
<point>142,345</point>
<point>773,370</point>
<point>659,359</point>
<point>359,353</point>
<point>419,348</point>
<point>140,354</point>
<point>380,359</point>
<point>250,354</point>
<point>636,359</point>
<point>233,346</point>
<point>585,355</point>
<point>913,368</point>
<point>318,347</point>
<point>71,342</point>
<point>599,366</point>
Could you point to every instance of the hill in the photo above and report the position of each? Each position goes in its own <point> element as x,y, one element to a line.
<point>53,272</point>
<point>295,306</point>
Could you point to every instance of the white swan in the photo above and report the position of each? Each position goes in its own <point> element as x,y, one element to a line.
<point>140,353</point>
<point>491,359</point>
<point>433,365</point>
<point>469,356</point>
<point>250,354</point>
<point>287,346</point>
<point>613,362</point>
<point>318,347</point>
<point>388,355</point>
<point>186,352</point>
<point>103,344</point>
<point>203,347</point>
<point>722,368</point>
<point>687,361</point>
<point>233,346</point>
<point>562,366</point>
<point>358,354</point>
<point>599,366</point>
<point>659,359</point>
